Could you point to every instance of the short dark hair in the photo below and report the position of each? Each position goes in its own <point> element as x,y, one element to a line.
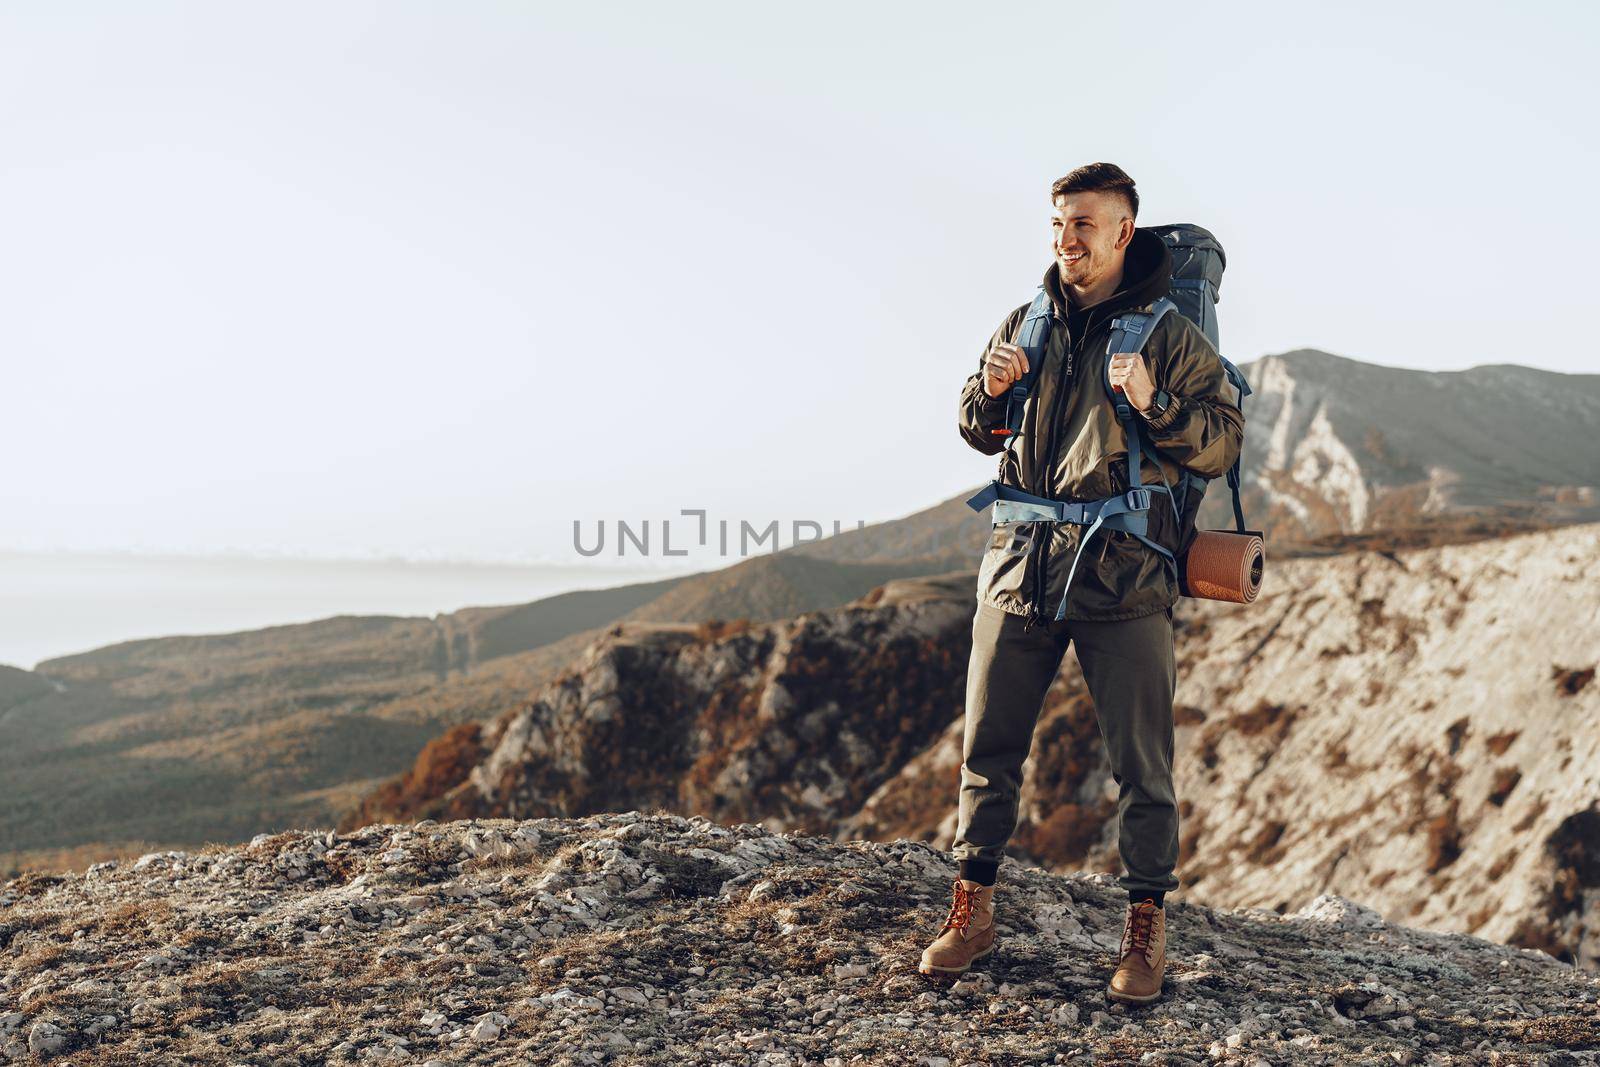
<point>1096,178</point>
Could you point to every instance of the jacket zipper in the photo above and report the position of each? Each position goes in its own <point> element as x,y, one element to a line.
<point>1041,550</point>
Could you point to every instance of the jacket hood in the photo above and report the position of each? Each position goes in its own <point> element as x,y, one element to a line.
<point>1146,275</point>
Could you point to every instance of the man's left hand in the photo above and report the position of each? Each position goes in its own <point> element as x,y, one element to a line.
<point>1128,371</point>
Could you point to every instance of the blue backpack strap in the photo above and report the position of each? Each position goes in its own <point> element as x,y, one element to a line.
<point>1129,332</point>
<point>984,497</point>
<point>1236,378</point>
<point>1032,337</point>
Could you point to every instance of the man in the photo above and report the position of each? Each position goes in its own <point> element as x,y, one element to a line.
<point>1119,613</point>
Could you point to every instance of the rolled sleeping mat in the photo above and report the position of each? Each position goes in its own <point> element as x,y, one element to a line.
<point>1223,565</point>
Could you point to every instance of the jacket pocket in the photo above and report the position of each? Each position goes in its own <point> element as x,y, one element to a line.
<point>1002,574</point>
<point>1012,537</point>
<point>1133,576</point>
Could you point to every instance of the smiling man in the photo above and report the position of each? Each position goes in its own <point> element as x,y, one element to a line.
<point>1117,611</point>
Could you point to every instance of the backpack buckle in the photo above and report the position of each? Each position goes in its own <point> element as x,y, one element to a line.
<point>1138,499</point>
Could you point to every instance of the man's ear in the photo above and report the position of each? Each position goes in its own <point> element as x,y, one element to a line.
<point>1124,232</point>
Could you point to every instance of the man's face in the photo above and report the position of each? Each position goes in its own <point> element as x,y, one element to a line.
<point>1089,233</point>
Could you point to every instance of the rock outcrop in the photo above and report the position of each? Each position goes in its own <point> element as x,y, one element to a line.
<point>645,938</point>
<point>791,723</point>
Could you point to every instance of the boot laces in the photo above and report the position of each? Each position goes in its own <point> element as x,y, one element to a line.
<point>1140,929</point>
<point>961,909</point>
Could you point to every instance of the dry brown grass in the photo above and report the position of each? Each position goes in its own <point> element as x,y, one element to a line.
<point>1192,829</point>
<point>40,954</point>
<point>1505,780</point>
<point>1336,758</point>
<point>1067,834</point>
<point>442,765</point>
<point>1570,681</point>
<point>717,629</point>
<point>1265,847</point>
<point>1498,743</point>
<point>1444,839</point>
<point>132,918</point>
<point>78,858</point>
<point>32,883</point>
<point>1265,718</point>
<point>1501,865</point>
<point>1533,815</point>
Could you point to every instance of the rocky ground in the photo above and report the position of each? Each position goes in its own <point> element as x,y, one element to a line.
<point>650,938</point>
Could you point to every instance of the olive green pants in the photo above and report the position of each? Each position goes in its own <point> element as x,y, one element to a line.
<point>1131,676</point>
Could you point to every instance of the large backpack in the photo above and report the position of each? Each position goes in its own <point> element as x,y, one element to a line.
<point>1197,265</point>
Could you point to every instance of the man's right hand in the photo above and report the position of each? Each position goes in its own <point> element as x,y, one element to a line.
<point>1004,366</point>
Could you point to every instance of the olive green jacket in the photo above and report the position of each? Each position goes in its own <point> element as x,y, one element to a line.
<point>1072,448</point>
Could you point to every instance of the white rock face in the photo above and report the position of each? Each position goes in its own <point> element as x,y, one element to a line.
<point>1415,731</point>
<point>1321,459</point>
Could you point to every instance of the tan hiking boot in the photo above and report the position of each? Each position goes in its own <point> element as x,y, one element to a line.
<point>967,934</point>
<point>1142,959</point>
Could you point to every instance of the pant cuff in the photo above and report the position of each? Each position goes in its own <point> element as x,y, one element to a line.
<point>1148,887</point>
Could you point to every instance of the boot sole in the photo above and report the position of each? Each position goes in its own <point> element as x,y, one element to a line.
<point>929,969</point>
<point>1129,998</point>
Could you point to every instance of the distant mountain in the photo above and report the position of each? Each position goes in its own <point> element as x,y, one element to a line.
<point>776,586</point>
<point>1404,728</point>
<point>1337,445</point>
<point>18,686</point>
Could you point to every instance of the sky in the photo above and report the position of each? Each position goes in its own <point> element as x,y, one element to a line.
<point>442,280</point>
